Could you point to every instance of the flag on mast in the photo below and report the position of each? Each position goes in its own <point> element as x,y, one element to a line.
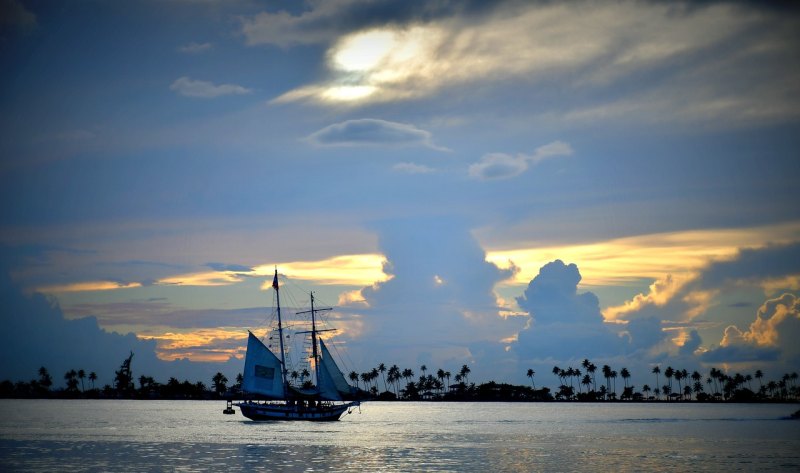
<point>275,280</point>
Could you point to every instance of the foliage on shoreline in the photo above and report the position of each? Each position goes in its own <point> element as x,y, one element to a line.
<point>593,385</point>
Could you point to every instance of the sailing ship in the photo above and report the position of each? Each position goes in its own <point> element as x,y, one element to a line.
<point>269,395</point>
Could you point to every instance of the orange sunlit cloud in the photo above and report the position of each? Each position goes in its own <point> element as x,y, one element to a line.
<point>199,345</point>
<point>622,260</point>
<point>87,286</point>
<point>208,278</point>
<point>348,270</point>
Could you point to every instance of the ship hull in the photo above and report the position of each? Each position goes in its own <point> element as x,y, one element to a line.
<point>283,411</point>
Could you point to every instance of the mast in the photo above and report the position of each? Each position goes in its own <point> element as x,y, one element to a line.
<point>314,331</point>
<point>280,331</point>
<point>314,338</point>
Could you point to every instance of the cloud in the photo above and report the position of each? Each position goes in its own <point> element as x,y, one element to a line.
<point>564,323</point>
<point>772,262</point>
<point>413,168</point>
<point>503,166</point>
<point>236,268</point>
<point>195,48</point>
<point>326,21</point>
<point>777,320</point>
<point>691,344</point>
<point>202,89</point>
<point>372,132</point>
<point>59,344</point>
<point>417,50</point>
<point>667,258</point>
<point>437,301</point>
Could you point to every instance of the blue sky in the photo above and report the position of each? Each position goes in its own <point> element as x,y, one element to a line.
<point>504,184</point>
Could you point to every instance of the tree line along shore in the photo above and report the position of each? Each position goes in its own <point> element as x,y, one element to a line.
<point>586,383</point>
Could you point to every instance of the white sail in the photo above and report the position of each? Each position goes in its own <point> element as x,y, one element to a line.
<point>331,383</point>
<point>262,370</point>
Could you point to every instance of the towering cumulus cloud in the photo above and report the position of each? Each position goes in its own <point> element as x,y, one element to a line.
<point>565,324</point>
<point>439,299</point>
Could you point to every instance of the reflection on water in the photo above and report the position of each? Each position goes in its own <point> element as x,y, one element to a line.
<point>51,435</point>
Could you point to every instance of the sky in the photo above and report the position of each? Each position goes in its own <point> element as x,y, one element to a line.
<point>508,185</point>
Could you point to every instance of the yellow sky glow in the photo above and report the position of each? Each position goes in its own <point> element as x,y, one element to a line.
<point>87,286</point>
<point>623,260</point>
<point>347,270</point>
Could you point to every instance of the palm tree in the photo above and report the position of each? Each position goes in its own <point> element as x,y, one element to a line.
<point>294,375</point>
<point>607,374</point>
<point>678,377</point>
<point>408,374</point>
<point>656,371</point>
<point>81,376</point>
<point>72,383</point>
<point>374,374</point>
<point>92,378</point>
<point>447,375</point>
<point>382,371</point>
<point>423,368</point>
<point>219,381</point>
<point>657,393</point>
<point>45,380</point>
<point>591,369</point>
<point>465,371</point>
<point>645,390</point>
<point>759,375</point>
<point>614,379</point>
<point>668,373</point>
<point>586,381</point>
<point>394,377</point>
<point>304,374</point>
<point>698,388</point>
<point>530,375</point>
<point>354,378</point>
<point>625,375</point>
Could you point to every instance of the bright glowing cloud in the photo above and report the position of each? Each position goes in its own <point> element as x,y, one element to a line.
<point>203,89</point>
<point>351,299</point>
<point>348,270</point>
<point>595,43</point>
<point>622,260</point>
<point>773,314</point>
<point>209,278</point>
<point>218,344</point>
<point>87,286</point>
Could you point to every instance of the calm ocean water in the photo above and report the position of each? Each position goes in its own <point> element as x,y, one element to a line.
<point>90,435</point>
